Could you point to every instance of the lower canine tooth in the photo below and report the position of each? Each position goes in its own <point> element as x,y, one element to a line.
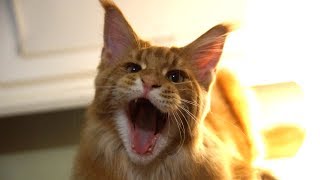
<point>149,149</point>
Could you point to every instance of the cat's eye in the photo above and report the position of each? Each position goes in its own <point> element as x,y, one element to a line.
<point>132,67</point>
<point>176,76</point>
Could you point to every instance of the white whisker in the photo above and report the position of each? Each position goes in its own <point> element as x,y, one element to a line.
<point>180,133</point>
<point>189,113</point>
<point>190,102</point>
<point>186,120</point>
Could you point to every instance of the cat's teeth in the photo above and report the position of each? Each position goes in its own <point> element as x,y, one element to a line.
<point>149,149</point>
<point>132,146</point>
<point>136,100</point>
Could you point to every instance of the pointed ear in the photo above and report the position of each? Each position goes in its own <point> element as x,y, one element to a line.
<point>119,37</point>
<point>204,53</point>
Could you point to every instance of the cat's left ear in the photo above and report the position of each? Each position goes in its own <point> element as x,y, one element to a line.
<point>204,53</point>
<point>119,37</point>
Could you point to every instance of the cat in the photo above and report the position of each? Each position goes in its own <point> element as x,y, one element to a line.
<point>164,112</point>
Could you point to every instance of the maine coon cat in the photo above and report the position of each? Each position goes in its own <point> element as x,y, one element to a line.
<point>164,112</point>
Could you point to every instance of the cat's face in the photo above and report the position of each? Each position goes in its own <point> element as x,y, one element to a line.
<point>153,96</point>
<point>155,99</point>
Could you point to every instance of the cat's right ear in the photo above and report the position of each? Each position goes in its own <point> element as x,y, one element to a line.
<point>119,38</point>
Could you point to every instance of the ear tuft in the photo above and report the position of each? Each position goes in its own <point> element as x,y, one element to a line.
<point>107,3</point>
<point>204,53</point>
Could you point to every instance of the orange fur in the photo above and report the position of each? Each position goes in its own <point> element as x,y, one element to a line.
<point>208,136</point>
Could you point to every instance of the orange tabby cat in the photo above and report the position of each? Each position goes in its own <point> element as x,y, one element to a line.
<point>157,113</point>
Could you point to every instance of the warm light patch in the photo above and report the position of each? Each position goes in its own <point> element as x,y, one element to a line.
<point>278,52</point>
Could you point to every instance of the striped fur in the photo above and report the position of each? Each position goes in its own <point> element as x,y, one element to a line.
<point>206,137</point>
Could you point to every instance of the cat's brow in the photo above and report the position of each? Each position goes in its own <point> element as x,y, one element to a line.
<point>171,57</point>
<point>143,55</point>
<point>138,55</point>
<point>175,60</point>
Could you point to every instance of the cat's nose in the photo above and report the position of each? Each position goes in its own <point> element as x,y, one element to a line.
<point>150,82</point>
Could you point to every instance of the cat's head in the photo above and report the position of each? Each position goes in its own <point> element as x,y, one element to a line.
<point>153,96</point>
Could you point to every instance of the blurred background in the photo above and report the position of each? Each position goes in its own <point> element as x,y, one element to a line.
<point>49,51</point>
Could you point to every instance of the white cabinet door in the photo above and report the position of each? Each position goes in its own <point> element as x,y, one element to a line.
<point>46,26</point>
<point>49,49</point>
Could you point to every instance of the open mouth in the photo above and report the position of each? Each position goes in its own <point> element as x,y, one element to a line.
<point>146,122</point>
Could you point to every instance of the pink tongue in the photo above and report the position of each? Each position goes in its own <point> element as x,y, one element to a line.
<point>143,131</point>
<point>143,140</point>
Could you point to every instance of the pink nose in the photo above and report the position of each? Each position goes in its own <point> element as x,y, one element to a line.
<point>150,82</point>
